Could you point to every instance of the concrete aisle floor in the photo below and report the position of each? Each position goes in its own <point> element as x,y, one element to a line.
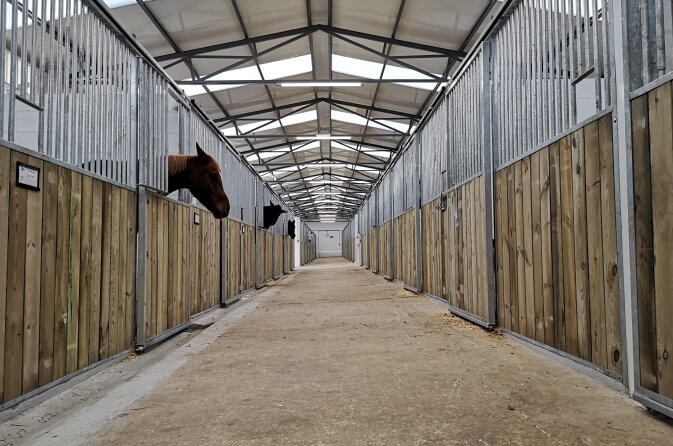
<point>337,355</point>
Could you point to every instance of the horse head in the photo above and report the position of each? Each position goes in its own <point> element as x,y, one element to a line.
<point>203,177</point>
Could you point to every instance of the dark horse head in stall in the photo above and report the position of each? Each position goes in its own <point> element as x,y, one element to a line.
<point>271,214</point>
<point>202,175</point>
<point>290,229</point>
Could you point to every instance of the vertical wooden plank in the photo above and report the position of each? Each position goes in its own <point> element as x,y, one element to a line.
<point>157,242</point>
<point>513,244</point>
<point>568,241</point>
<point>661,143</point>
<point>114,272</point>
<point>503,216</point>
<point>5,173</point>
<point>581,266</point>
<point>48,286</point>
<point>596,293</point>
<point>546,248</point>
<point>556,216</point>
<point>185,261</point>
<point>130,268</point>
<point>536,214</point>
<point>62,269</point>
<point>73,275</point>
<point>196,276</point>
<point>97,199</point>
<point>85,272</point>
<point>498,248</point>
<point>461,249</point>
<point>609,223</point>
<point>172,264</point>
<point>159,310</point>
<point>468,202</point>
<point>31,299</point>
<point>478,228</point>
<point>642,192</point>
<point>16,250</point>
<point>105,271</point>
<point>528,247</point>
<point>121,271</point>
<point>520,248</point>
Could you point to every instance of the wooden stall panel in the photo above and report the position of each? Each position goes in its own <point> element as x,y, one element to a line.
<point>204,262</point>
<point>465,240</point>
<point>652,183</point>
<point>247,257</point>
<point>384,249</point>
<point>373,250</point>
<point>277,256</point>
<point>51,274</point>
<point>168,265</point>
<point>435,245</point>
<point>556,247</point>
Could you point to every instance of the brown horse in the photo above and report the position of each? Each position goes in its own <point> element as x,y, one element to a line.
<point>202,176</point>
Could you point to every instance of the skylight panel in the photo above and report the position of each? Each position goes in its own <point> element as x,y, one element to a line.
<point>271,70</point>
<point>352,118</point>
<point>262,126</point>
<point>372,70</point>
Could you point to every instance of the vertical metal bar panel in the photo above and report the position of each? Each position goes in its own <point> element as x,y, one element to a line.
<point>12,73</point>
<point>580,40</point>
<point>24,53</point>
<point>151,117</point>
<point>607,51</point>
<point>75,140</point>
<point>555,69</point>
<point>587,41</point>
<point>564,66</point>
<point>97,101</point>
<point>34,85</point>
<point>67,83</point>
<point>519,98</point>
<point>51,82</point>
<point>3,68</point>
<point>645,39</point>
<point>526,59</point>
<point>595,48</point>
<point>545,35</point>
<point>40,75</point>
<point>659,26</point>
<point>132,103</point>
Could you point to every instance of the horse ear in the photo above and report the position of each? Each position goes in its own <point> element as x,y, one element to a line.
<point>200,152</point>
<point>270,203</point>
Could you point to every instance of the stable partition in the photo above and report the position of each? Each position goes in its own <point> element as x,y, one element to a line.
<point>204,262</point>
<point>277,256</point>
<point>167,266</point>
<point>67,252</point>
<point>557,247</point>
<point>466,262</point>
<point>652,118</point>
<point>404,230</point>
<point>264,257</point>
<point>384,245</point>
<point>372,238</point>
<point>434,247</point>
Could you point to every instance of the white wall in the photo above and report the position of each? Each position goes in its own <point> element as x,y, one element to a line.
<point>297,241</point>
<point>328,236</point>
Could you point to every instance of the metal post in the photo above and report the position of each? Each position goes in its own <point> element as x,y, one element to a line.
<point>622,11</point>
<point>419,235</point>
<point>489,222</point>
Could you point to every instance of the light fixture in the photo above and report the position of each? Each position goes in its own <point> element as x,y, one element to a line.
<point>322,136</point>
<point>320,84</point>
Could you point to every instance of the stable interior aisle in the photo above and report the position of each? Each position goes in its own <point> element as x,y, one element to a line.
<point>333,354</point>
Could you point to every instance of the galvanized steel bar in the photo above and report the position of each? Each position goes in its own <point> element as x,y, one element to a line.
<point>12,74</point>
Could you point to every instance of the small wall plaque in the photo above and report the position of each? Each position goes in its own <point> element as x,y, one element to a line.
<point>197,218</point>
<point>27,176</point>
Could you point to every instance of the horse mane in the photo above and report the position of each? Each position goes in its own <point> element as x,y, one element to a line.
<point>178,163</point>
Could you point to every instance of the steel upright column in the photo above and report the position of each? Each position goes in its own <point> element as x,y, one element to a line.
<point>489,222</point>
